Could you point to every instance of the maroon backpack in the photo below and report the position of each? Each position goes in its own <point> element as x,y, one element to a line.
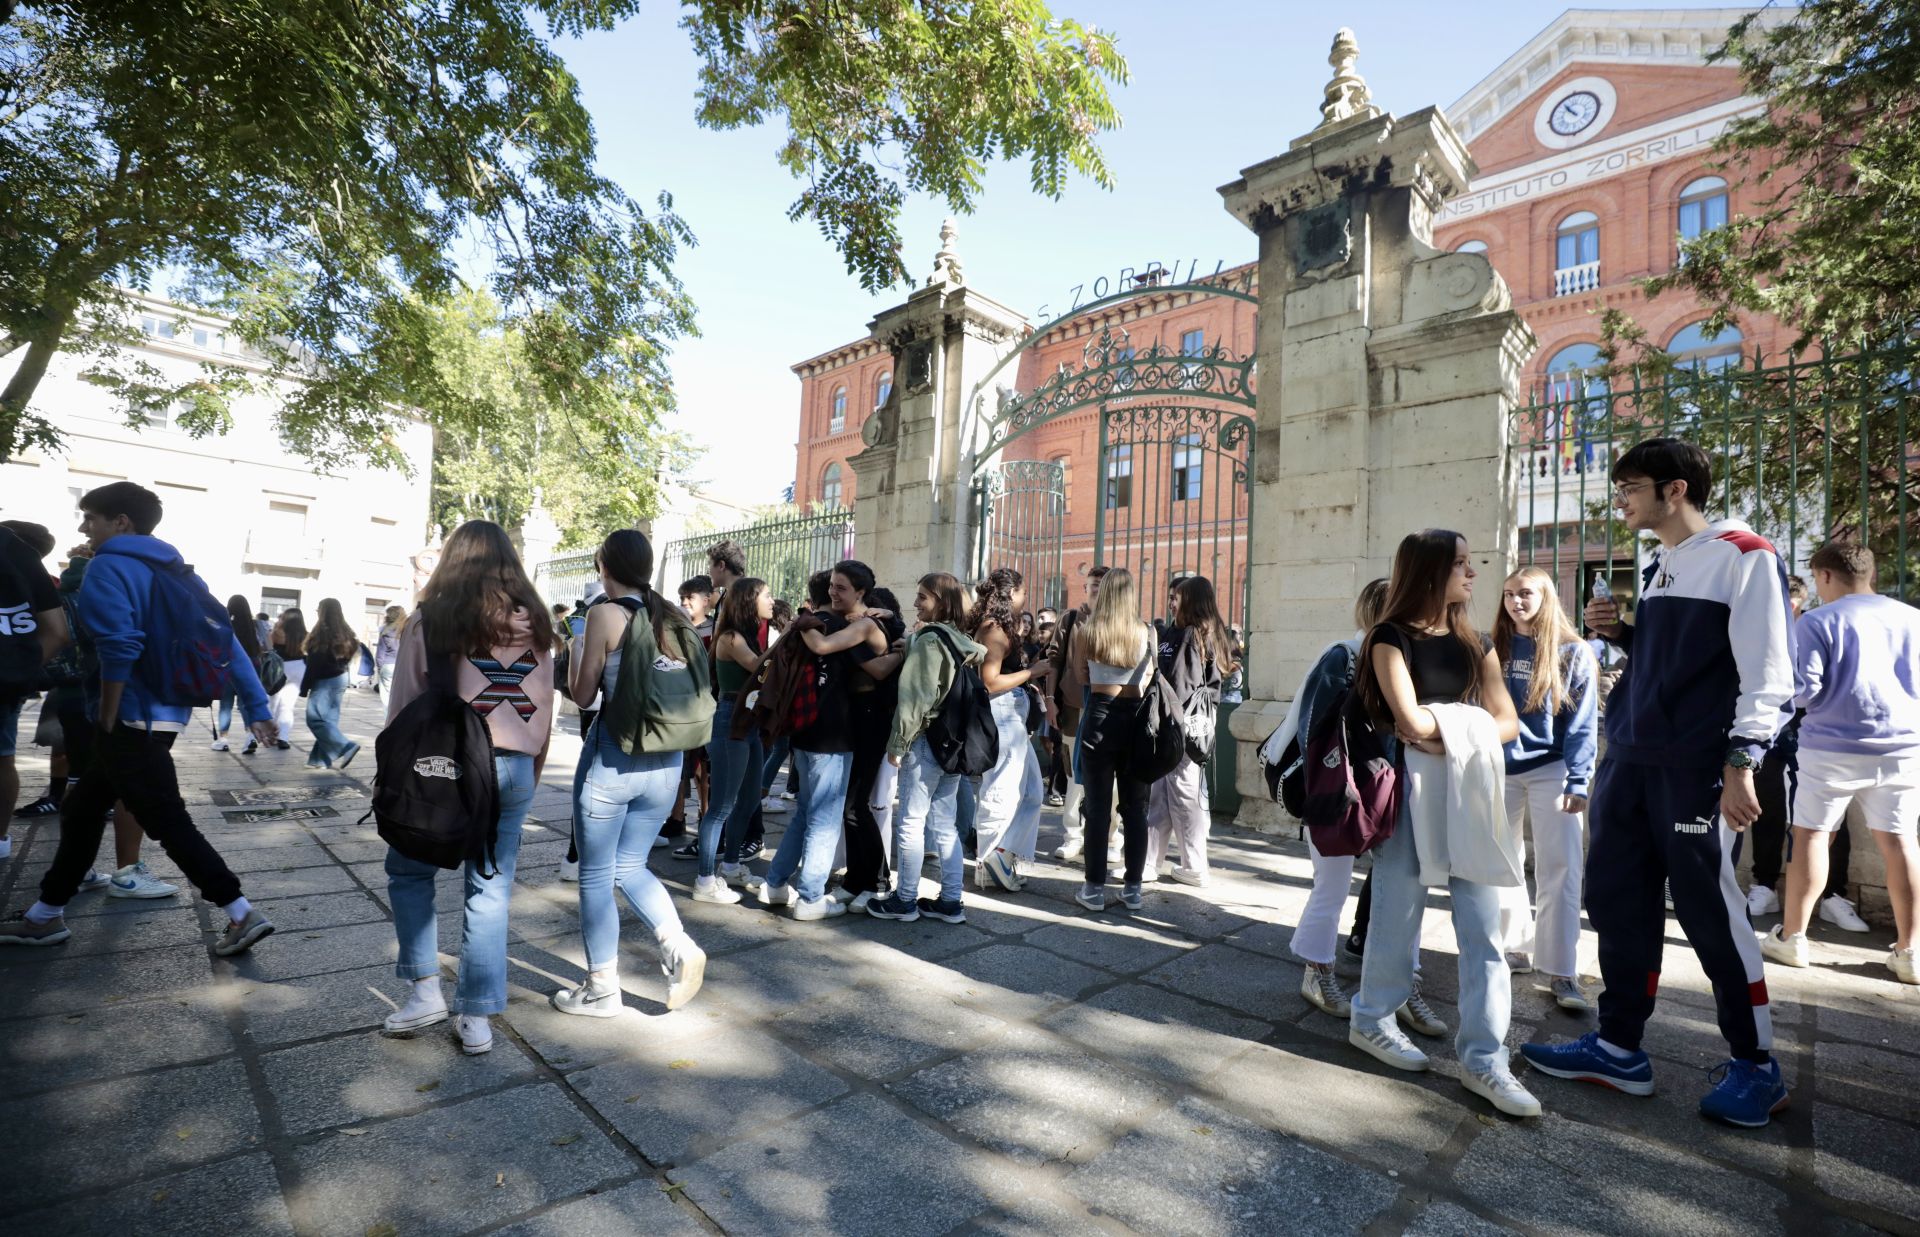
<point>1352,789</point>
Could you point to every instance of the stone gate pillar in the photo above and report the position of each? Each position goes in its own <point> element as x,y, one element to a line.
<point>912,490</point>
<point>1388,370</point>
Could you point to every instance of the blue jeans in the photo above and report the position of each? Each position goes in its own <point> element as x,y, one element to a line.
<point>223,720</point>
<point>776,756</point>
<point>929,797</point>
<point>814,833</point>
<point>483,931</point>
<point>732,787</point>
<point>621,803</point>
<point>1386,974</point>
<point>323,719</point>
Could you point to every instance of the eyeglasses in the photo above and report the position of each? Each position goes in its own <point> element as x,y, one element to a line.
<point>1623,491</point>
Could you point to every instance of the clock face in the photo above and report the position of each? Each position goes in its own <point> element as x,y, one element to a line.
<point>1574,113</point>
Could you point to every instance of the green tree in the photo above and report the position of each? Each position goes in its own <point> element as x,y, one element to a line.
<point>330,174</point>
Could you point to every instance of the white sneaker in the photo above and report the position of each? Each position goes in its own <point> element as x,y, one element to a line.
<point>1762,901</point>
<point>685,964</point>
<point>1501,1089</point>
<point>740,875</point>
<point>860,900</point>
<point>476,1034</point>
<point>1900,962</point>
<point>1187,876</point>
<point>1387,1044</point>
<point>135,881</point>
<point>840,893</point>
<point>596,998</point>
<point>1519,963</point>
<point>425,1007</point>
<point>772,806</point>
<point>1839,912</point>
<point>1784,949</point>
<point>6,847</point>
<point>713,889</point>
<point>819,908</point>
<point>1418,1016</point>
<point>569,869</point>
<point>1323,991</point>
<point>1069,849</point>
<point>218,745</point>
<point>776,895</point>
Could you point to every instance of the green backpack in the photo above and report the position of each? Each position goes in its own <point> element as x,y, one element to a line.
<point>663,699</point>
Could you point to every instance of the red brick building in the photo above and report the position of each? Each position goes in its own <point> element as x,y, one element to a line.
<point>1592,142</point>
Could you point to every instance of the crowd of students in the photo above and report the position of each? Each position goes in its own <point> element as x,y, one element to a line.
<point>912,734</point>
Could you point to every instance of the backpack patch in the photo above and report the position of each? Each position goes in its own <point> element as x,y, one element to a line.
<point>1353,791</point>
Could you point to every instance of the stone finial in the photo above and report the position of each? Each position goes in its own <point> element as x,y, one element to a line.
<point>946,263</point>
<point>1346,94</point>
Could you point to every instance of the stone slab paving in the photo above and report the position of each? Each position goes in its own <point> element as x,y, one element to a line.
<point>1037,1071</point>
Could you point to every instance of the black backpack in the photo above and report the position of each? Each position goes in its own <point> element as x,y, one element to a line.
<point>1159,732</point>
<point>962,735</point>
<point>435,796</point>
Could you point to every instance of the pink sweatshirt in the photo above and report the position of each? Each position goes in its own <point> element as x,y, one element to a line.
<point>513,689</point>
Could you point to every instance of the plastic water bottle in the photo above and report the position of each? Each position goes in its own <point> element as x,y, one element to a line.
<point>1602,591</point>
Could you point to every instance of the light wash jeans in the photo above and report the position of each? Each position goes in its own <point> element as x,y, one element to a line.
<point>383,679</point>
<point>1386,974</point>
<point>1558,859</point>
<point>619,806</point>
<point>483,931</point>
<point>323,720</point>
<point>733,788</point>
<point>1012,791</point>
<point>805,857</point>
<point>223,716</point>
<point>929,798</point>
<point>1178,806</point>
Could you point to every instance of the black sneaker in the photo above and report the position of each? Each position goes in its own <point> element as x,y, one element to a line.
<point>946,909</point>
<point>253,745</point>
<point>690,851</point>
<point>750,851</point>
<point>43,806</point>
<point>283,745</point>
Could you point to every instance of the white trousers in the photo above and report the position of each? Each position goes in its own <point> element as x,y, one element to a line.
<point>1549,928</point>
<point>1319,928</point>
<point>881,801</point>
<point>1070,807</point>
<point>1012,792</point>
<point>1178,804</point>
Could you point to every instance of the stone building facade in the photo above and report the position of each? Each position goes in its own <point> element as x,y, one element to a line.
<point>1592,145</point>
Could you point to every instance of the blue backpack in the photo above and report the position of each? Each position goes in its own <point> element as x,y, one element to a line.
<point>188,658</point>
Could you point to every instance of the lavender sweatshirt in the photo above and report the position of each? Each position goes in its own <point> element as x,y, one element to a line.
<point>1857,674</point>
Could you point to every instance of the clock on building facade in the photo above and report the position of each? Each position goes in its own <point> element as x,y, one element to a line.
<point>1575,113</point>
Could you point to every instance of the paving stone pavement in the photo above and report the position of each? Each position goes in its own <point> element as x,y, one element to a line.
<point>1039,1070</point>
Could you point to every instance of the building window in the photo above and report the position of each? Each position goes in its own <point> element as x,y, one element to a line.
<point>1692,349</point>
<point>1119,477</point>
<point>157,413</point>
<point>1576,254</point>
<point>1186,468</point>
<point>1193,343</point>
<point>837,416</point>
<point>1065,464</point>
<point>830,484</point>
<point>273,601</point>
<point>156,328</point>
<point>1472,247</point>
<point>883,391</point>
<point>1703,207</point>
<point>202,337</point>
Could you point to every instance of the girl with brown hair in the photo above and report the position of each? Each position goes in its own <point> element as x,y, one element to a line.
<point>734,785</point>
<point>1196,656</point>
<point>480,612</point>
<point>1011,793</point>
<point>324,685</point>
<point>1116,652</point>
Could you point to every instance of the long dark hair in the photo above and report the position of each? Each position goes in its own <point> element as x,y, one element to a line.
<point>293,634</point>
<point>331,632</point>
<point>244,626</point>
<point>1416,598</point>
<point>880,598</point>
<point>740,612</point>
<point>993,603</point>
<point>1198,610</point>
<point>627,556</point>
<point>469,602</point>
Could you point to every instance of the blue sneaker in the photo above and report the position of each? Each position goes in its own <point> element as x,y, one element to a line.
<point>1744,1094</point>
<point>1584,1060</point>
<point>894,906</point>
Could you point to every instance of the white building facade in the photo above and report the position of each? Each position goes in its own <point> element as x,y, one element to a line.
<point>251,517</point>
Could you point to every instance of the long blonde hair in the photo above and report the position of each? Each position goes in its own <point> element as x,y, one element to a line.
<point>1552,632</point>
<point>1115,634</point>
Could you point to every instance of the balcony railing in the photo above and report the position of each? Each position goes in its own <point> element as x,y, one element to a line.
<point>1573,280</point>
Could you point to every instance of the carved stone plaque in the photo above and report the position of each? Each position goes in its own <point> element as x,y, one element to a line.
<point>1323,237</point>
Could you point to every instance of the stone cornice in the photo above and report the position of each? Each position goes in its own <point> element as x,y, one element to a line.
<point>845,354</point>
<point>1597,37</point>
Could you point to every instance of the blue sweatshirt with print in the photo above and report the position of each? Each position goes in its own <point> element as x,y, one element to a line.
<point>112,604</point>
<point>1548,734</point>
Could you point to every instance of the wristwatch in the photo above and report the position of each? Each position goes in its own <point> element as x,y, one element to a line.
<point>1741,758</point>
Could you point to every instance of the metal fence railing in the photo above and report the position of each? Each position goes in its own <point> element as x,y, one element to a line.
<point>1803,450</point>
<point>783,550</point>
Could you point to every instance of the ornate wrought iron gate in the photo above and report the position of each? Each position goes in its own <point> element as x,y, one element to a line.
<point>1175,499</point>
<point>1019,517</point>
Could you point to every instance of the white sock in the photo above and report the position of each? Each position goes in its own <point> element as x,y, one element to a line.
<point>40,912</point>
<point>6,847</point>
<point>237,909</point>
<point>1612,1050</point>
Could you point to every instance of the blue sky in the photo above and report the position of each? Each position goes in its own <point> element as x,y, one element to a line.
<point>1216,86</point>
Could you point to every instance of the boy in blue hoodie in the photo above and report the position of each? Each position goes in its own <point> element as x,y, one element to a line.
<point>132,752</point>
<point>1707,687</point>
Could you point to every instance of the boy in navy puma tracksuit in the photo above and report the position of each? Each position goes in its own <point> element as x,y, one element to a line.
<point>1709,683</point>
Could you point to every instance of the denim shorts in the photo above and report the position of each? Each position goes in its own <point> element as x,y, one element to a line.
<point>10,725</point>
